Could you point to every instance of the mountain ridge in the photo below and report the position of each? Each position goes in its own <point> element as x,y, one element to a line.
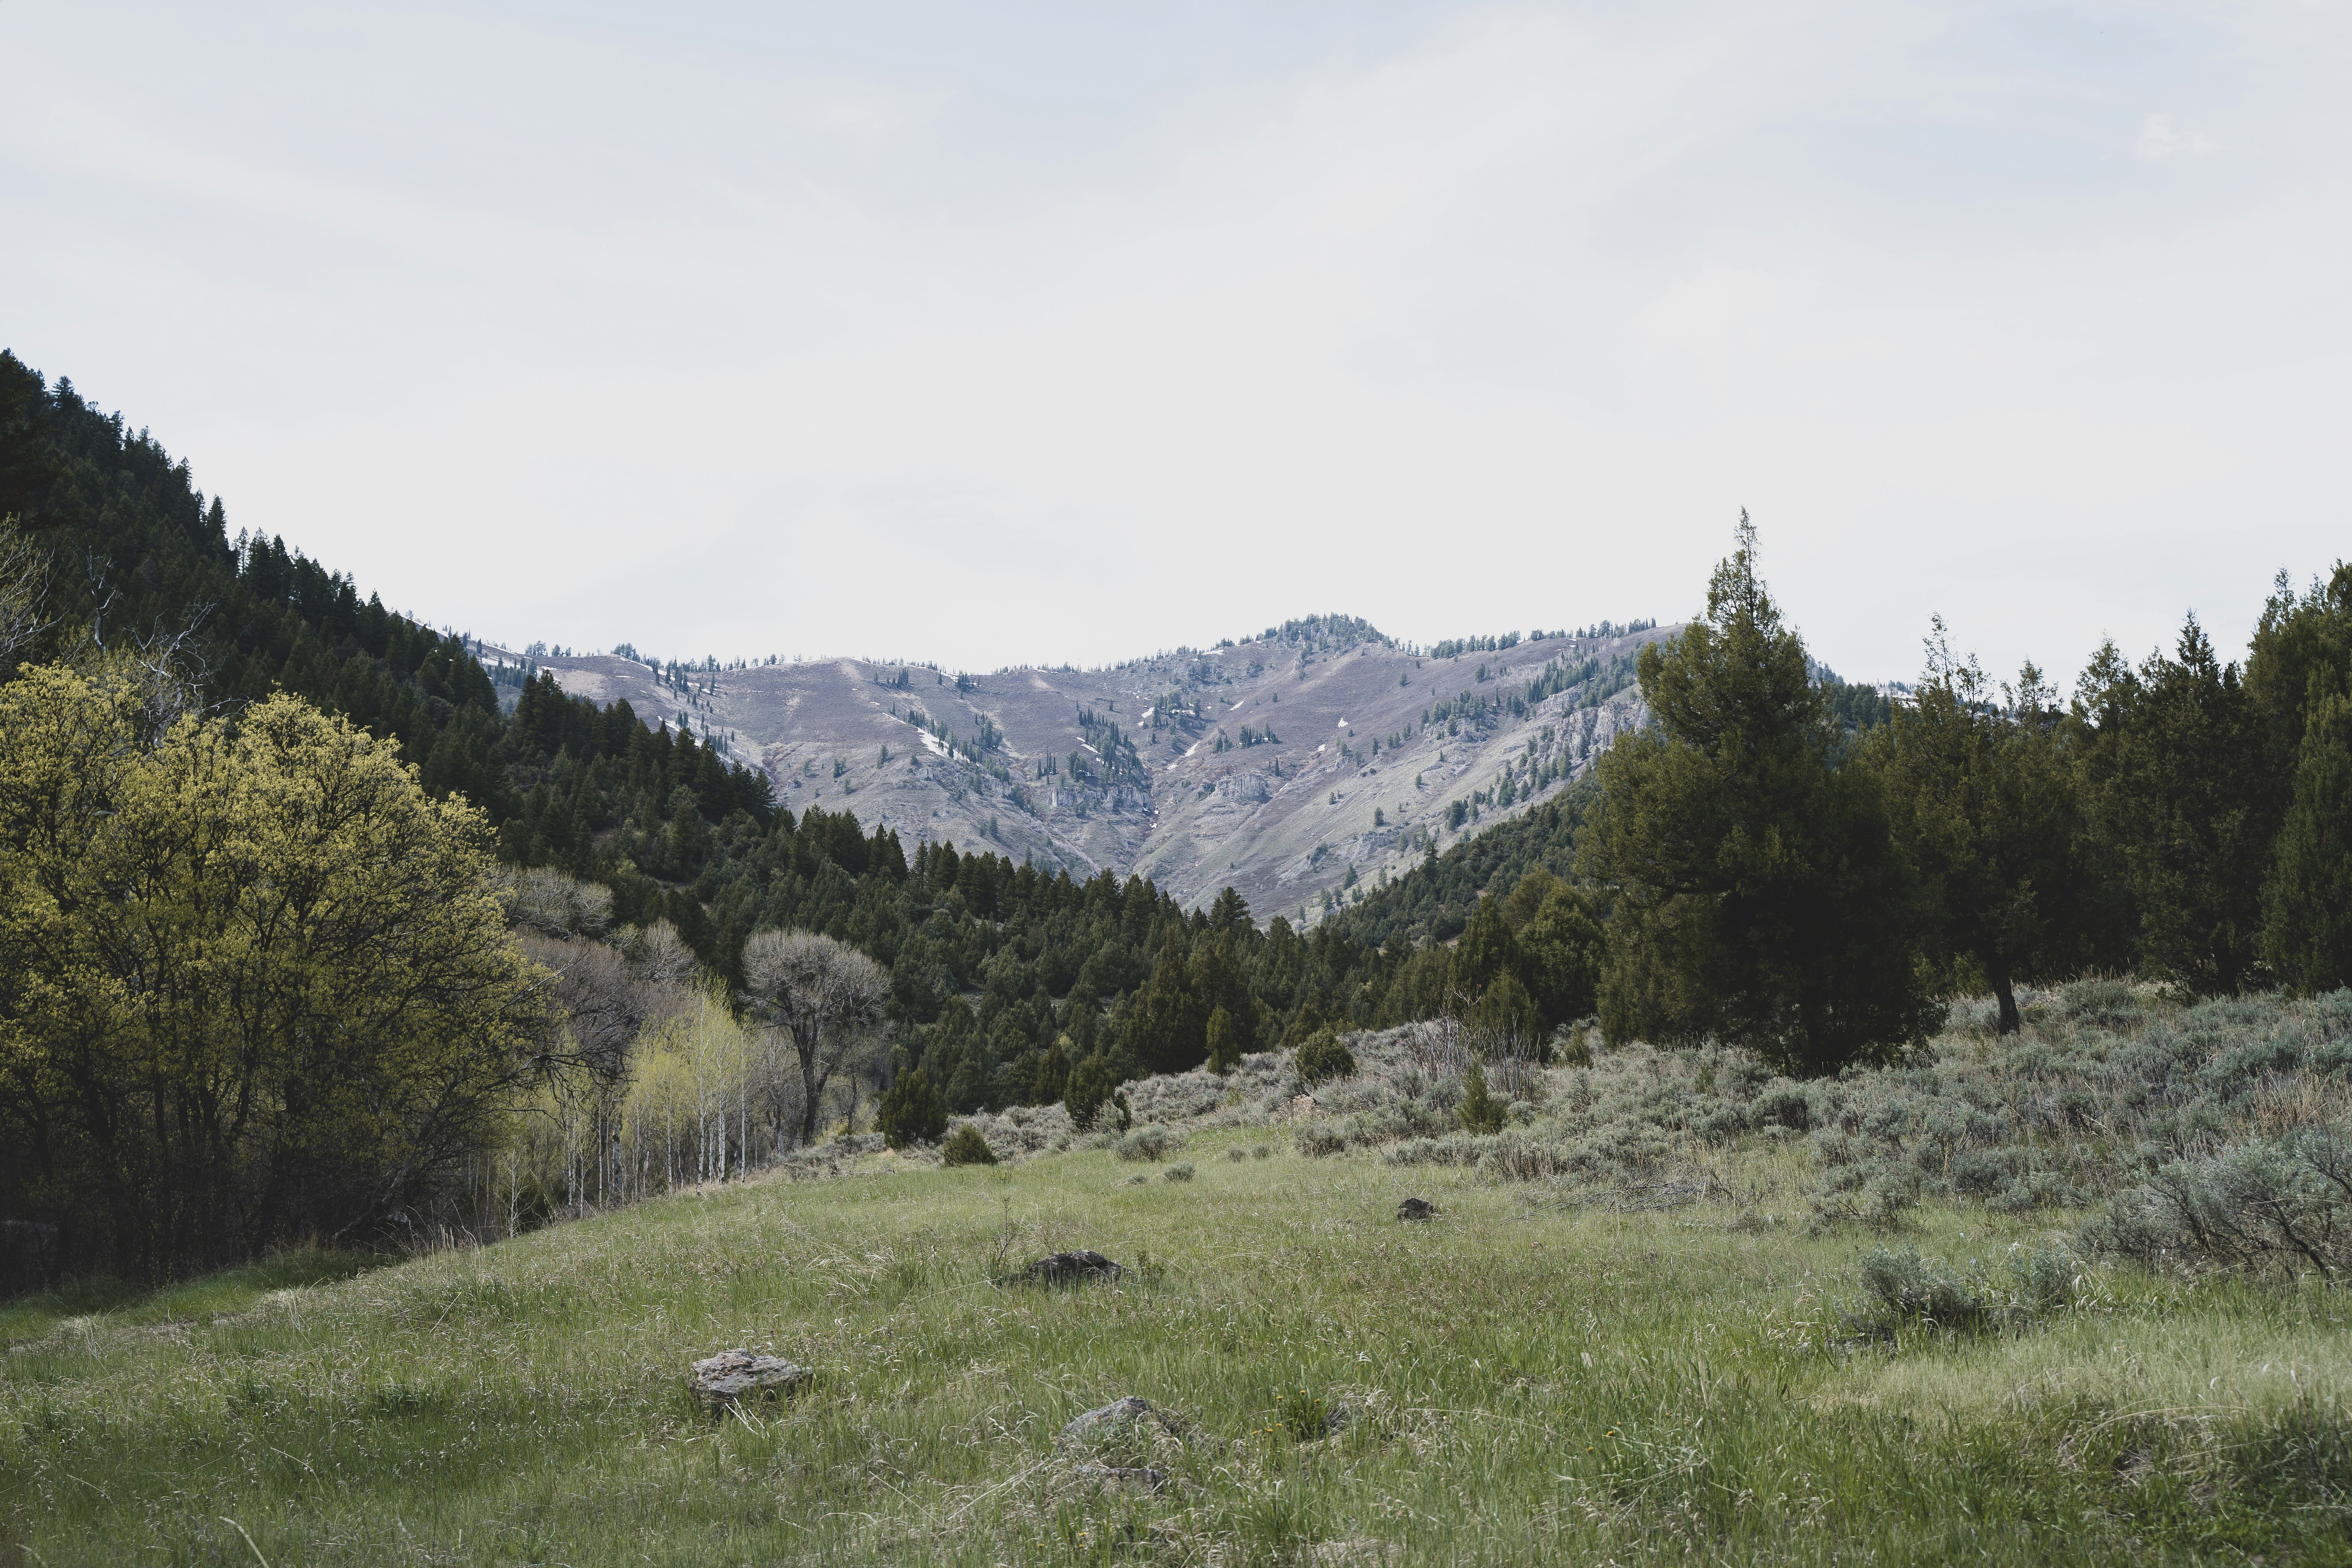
<point>1298,766</point>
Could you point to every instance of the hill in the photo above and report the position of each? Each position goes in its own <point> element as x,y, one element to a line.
<point>1296,766</point>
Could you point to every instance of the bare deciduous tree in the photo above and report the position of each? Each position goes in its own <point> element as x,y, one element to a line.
<point>824,993</point>
<point>24,592</point>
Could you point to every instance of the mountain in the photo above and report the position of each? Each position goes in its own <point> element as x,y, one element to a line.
<point>1297,767</point>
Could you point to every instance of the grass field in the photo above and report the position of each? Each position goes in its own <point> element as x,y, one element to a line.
<point>1534,1376</point>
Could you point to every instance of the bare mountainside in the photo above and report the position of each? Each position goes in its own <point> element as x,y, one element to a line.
<point>1294,766</point>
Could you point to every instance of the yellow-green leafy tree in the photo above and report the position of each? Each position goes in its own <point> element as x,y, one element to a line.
<point>254,982</point>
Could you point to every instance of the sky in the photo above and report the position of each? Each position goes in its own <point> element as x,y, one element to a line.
<point>1068,332</point>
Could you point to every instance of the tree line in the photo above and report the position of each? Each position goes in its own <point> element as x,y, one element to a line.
<point>1768,875</point>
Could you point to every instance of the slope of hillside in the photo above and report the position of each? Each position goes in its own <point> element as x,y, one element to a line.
<point>1296,765</point>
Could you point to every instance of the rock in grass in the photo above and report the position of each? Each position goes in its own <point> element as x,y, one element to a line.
<point>724,1378</point>
<point>1416,1208</point>
<point>1071,1268</point>
<point>1117,1413</point>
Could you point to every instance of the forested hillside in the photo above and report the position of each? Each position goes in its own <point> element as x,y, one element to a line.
<point>1769,857</point>
<point>1008,982</point>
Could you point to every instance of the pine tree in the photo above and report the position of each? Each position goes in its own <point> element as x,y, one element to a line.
<point>2181,791</point>
<point>1225,1042</point>
<point>1983,800</point>
<point>1757,891</point>
<point>2307,902</point>
<point>912,1112</point>
<point>1481,1112</point>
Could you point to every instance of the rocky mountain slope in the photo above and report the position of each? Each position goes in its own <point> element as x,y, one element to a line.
<point>1296,766</point>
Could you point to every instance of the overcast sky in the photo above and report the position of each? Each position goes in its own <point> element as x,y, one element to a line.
<point>1071,331</point>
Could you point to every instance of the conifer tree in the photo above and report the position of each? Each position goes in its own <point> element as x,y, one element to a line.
<point>912,1111</point>
<point>1983,800</point>
<point>2179,790</point>
<point>1757,891</point>
<point>1481,1112</point>
<point>2307,901</point>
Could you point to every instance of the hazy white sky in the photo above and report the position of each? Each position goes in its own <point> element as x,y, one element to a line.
<point>1071,331</point>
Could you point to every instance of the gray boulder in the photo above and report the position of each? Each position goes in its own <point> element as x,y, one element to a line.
<point>719,1381</point>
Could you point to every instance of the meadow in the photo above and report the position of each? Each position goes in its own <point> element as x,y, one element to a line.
<point>1654,1320</point>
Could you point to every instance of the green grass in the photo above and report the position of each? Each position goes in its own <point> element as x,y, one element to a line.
<point>1531,1379</point>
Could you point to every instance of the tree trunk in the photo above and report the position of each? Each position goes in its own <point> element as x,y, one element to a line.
<point>808,1085</point>
<point>2011,1021</point>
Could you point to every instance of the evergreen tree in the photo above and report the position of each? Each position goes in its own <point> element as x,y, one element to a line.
<point>1506,1019</point>
<point>912,1111</point>
<point>1225,1041</point>
<point>2307,901</point>
<point>1560,952</point>
<point>1092,1083</point>
<point>1481,1112</point>
<point>1983,800</point>
<point>1757,891</point>
<point>1171,1028</point>
<point>1052,1073</point>
<point>2179,790</point>
<point>1487,951</point>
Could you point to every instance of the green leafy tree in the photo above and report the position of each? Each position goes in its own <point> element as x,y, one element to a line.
<point>255,983</point>
<point>1982,796</point>
<point>1756,889</point>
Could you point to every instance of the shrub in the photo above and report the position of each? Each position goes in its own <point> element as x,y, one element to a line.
<point>912,1111</point>
<point>1152,1143</point>
<point>1261,1151</point>
<point>1237,1155</point>
<point>967,1147</point>
<point>1916,1288</point>
<point>1313,1139</point>
<point>1902,1287</point>
<point>1177,1173</point>
<point>1325,1057</point>
<point>2283,1205</point>
<point>1481,1112</point>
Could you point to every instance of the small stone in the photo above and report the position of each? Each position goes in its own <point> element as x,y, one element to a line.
<point>1416,1208</point>
<point>721,1380</point>
<point>1117,1413</point>
<point>1070,1269</point>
